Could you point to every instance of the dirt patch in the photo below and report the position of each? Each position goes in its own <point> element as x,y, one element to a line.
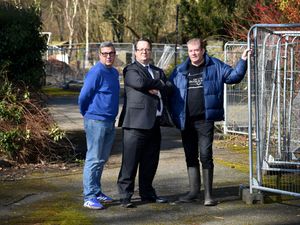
<point>21,171</point>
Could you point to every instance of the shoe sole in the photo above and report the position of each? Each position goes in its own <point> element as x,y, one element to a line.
<point>154,201</point>
<point>91,207</point>
<point>212,203</point>
<point>187,200</point>
<point>129,205</point>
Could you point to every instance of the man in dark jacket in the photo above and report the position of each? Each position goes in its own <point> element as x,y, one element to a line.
<point>140,119</point>
<point>196,102</point>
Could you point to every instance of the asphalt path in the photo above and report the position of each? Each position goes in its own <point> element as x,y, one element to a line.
<point>56,198</point>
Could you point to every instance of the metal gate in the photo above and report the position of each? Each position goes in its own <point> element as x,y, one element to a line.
<point>274,108</point>
<point>236,95</point>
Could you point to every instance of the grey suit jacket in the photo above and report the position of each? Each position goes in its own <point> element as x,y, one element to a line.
<point>139,109</point>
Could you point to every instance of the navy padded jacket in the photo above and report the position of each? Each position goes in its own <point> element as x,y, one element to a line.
<point>216,73</point>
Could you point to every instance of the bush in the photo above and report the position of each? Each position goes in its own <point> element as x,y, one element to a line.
<point>28,134</point>
<point>21,44</point>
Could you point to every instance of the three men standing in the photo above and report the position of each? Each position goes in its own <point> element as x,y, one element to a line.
<point>196,103</point>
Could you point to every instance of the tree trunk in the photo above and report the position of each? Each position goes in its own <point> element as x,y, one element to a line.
<point>86,4</point>
<point>70,14</point>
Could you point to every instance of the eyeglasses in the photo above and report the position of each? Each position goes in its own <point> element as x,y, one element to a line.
<point>144,49</point>
<point>105,54</point>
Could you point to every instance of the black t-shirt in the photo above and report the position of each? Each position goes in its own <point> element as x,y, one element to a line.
<point>195,97</point>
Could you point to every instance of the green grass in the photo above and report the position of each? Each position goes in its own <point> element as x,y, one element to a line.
<point>52,91</point>
<point>234,165</point>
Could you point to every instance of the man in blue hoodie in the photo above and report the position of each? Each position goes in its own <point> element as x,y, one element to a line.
<point>196,102</point>
<point>98,104</point>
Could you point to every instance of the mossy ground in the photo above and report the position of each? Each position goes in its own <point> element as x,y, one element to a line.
<point>39,200</point>
<point>59,198</point>
<point>59,210</point>
<point>232,152</point>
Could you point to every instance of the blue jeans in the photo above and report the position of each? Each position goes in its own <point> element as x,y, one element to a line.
<point>99,137</point>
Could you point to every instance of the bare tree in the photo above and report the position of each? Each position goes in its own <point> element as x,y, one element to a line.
<point>86,4</point>
<point>54,13</point>
<point>70,12</point>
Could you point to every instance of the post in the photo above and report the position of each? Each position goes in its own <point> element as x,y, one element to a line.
<point>176,32</point>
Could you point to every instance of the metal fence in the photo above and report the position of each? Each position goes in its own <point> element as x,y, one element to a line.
<point>274,108</point>
<point>236,95</point>
<point>64,65</point>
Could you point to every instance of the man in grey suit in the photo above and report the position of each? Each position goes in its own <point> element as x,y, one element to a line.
<point>145,87</point>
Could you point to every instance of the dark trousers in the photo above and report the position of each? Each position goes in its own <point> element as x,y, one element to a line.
<point>198,138</point>
<point>140,150</point>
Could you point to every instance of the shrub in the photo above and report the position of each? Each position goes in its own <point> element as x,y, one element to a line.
<point>28,134</point>
<point>27,131</point>
<point>21,44</point>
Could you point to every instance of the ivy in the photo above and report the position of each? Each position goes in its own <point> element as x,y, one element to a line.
<point>10,112</point>
<point>10,141</point>
<point>56,133</point>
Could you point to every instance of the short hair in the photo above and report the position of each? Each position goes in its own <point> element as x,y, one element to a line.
<point>142,39</point>
<point>106,44</point>
<point>202,43</point>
